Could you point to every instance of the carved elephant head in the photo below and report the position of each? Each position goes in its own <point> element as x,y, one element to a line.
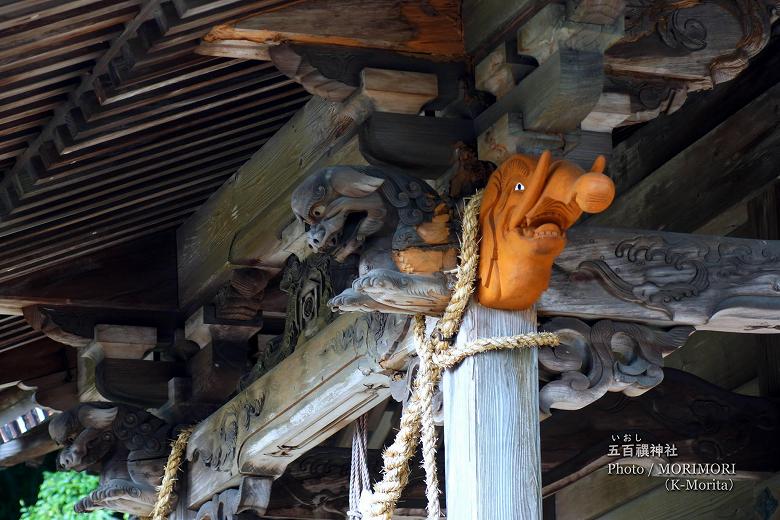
<point>527,207</point>
<point>85,434</point>
<point>339,207</point>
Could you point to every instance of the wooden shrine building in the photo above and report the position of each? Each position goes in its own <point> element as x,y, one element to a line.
<point>238,223</point>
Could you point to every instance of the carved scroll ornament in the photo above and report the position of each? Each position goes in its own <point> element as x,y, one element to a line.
<point>528,205</point>
<point>724,277</point>
<point>711,38</point>
<point>128,446</point>
<point>248,501</point>
<point>606,357</point>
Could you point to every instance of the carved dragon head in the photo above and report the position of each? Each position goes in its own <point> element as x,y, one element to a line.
<point>85,434</point>
<point>527,207</point>
<point>339,207</point>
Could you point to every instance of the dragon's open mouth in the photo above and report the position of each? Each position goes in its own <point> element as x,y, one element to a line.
<point>347,234</point>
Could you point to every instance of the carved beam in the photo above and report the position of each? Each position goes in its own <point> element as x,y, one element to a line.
<point>750,139</point>
<point>705,41</point>
<point>247,222</point>
<point>406,26</point>
<point>710,283</point>
<point>325,384</point>
<point>592,360</point>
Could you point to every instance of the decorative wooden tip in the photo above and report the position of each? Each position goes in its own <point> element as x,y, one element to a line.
<point>528,205</point>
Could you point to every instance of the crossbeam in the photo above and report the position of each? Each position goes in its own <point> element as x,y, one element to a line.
<point>665,279</point>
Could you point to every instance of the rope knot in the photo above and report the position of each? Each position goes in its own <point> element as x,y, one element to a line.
<point>436,354</point>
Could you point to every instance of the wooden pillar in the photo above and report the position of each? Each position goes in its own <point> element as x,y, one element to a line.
<point>491,424</point>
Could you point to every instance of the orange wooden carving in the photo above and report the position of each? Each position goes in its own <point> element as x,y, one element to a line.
<point>529,203</point>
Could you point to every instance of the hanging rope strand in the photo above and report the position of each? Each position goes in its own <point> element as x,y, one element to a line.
<point>429,374</point>
<point>417,418</point>
<point>358,476</point>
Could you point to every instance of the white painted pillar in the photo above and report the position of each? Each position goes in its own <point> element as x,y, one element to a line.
<point>491,424</point>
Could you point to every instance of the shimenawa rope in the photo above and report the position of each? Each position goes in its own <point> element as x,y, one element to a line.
<point>163,506</point>
<point>435,355</point>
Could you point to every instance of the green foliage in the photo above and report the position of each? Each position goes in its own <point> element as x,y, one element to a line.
<point>58,493</point>
<point>17,483</point>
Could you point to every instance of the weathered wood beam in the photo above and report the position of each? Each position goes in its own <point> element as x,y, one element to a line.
<point>404,26</point>
<point>33,444</point>
<point>739,156</point>
<point>247,223</point>
<point>328,381</point>
<point>487,23</point>
<point>491,423</point>
<point>147,281</point>
<point>711,283</point>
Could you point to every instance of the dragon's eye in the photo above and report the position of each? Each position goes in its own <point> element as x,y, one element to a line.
<point>519,186</point>
<point>318,211</point>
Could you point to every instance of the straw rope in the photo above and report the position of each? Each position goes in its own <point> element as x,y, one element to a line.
<point>417,422</point>
<point>436,355</point>
<point>164,504</point>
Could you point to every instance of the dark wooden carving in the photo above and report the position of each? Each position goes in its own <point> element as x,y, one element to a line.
<point>710,282</point>
<point>309,284</point>
<point>608,356</point>
<point>400,227</point>
<point>234,416</point>
<point>705,41</point>
<point>703,421</point>
<point>127,446</point>
<point>249,500</point>
<point>675,272</point>
<point>68,328</point>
